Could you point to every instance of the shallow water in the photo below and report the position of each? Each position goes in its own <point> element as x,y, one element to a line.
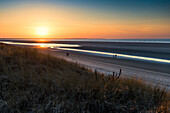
<point>100,53</point>
<point>117,55</point>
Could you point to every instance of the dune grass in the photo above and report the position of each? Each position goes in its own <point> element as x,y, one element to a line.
<point>34,82</point>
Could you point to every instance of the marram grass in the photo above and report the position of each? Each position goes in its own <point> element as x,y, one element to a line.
<point>34,82</point>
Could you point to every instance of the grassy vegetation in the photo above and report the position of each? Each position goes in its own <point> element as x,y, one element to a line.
<point>33,82</point>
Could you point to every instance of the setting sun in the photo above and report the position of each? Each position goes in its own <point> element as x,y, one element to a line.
<point>42,31</point>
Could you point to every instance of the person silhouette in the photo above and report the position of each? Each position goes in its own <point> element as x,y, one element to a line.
<point>67,54</point>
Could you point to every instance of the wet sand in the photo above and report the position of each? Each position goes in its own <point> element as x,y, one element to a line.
<point>157,50</point>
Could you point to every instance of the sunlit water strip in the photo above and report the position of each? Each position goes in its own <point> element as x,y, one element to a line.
<point>120,55</point>
<point>51,45</point>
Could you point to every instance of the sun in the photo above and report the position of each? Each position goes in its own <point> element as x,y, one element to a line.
<point>42,31</point>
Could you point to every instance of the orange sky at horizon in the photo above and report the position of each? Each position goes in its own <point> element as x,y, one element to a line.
<point>65,22</point>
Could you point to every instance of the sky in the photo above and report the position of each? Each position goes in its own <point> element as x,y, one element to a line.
<point>106,19</point>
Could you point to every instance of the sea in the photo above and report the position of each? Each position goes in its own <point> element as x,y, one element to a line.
<point>93,40</point>
<point>145,52</point>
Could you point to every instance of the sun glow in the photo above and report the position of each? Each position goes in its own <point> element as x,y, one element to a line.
<point>42,31</point>
<point>42,45</point>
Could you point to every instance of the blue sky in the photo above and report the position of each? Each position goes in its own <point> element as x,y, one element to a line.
<point>155,8</point>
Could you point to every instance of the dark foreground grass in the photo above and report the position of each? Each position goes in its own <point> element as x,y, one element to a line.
<point>33,82</point>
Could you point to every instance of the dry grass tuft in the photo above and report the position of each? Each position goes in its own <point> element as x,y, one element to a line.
<point>33,82</point>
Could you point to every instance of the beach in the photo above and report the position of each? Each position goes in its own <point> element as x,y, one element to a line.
<point>108,66</point>
<point>154,72</point>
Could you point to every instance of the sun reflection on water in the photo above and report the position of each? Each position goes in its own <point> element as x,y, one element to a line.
<point>50,45</point>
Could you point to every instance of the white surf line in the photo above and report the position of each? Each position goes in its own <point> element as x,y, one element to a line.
<point>122,55</point>
<point>51,45</point>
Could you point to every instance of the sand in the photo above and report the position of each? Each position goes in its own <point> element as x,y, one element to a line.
<point>107,66</point>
